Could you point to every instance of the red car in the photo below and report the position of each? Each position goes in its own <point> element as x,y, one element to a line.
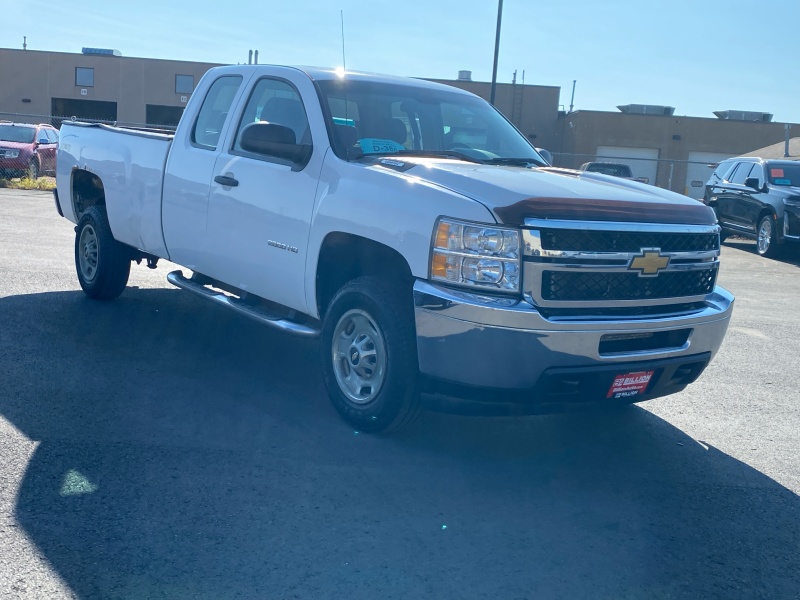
<point>27,150</point>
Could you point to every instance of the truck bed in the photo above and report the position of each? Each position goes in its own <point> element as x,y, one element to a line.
<point>130,163</point>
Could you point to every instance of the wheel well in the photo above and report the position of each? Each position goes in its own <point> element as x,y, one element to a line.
<point>344,256</point>
<point>87,190</point>
<point>764,212</point>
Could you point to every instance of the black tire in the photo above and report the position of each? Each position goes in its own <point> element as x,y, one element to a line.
<point>385,313</point>
<point>767,245</point>
<point>102,263</point>
<point>32,171</point>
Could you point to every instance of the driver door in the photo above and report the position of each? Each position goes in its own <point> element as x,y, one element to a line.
<point>260,207</point>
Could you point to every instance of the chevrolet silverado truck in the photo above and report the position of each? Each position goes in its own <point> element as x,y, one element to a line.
<point>412,229</point>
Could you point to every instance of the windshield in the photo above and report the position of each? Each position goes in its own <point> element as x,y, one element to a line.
<point>16,133</point>
<point>380,118</point>
<point>783,174</point>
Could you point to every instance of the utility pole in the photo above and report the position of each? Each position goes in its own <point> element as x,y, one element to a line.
<point>572,100</point>
<point>786,129</point>
<point>496,50</point>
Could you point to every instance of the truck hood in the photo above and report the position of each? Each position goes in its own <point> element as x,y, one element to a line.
<point>513,194</point>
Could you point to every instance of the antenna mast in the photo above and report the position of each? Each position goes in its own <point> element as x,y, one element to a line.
<point>344,61</point>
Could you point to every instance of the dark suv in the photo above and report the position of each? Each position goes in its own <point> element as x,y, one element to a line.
<point>757,198</point>
<point>27,150</point>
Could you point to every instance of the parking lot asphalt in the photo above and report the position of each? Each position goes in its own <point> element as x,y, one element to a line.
<point>160,447</point>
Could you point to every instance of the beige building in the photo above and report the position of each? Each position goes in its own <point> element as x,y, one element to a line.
<point>95,86</point>
<point>673,152</point>
<point>670,151</point>
<point>109,87</point>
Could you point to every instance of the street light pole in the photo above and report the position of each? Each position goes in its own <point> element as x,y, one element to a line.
<point>496,50</point>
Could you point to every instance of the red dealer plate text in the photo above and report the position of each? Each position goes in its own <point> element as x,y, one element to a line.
<point>630,384</point>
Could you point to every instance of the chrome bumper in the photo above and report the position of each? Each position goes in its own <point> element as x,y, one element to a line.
<point>502,344</point>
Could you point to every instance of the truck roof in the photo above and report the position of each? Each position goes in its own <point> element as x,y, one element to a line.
<point>331,73</point>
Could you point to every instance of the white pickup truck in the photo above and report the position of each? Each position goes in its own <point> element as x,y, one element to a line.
<point>412,229</point>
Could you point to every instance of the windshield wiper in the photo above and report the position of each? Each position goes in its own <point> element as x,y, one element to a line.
<point>427,153</point>
<point>517,162</point>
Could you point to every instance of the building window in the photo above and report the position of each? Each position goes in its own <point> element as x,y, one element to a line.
<point>84,77</point>
<point>184,84</point>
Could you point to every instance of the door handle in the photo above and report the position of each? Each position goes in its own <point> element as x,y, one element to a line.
<point>226,181</point>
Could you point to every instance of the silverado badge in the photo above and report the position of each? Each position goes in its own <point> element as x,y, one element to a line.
<point>649,263</point>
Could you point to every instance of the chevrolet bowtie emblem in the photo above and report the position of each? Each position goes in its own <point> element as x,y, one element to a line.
<point>649,262</point>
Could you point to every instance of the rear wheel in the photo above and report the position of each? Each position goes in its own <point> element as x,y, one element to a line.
<point>102,263</point>
<point>369,358</point>
<point>766,242</point>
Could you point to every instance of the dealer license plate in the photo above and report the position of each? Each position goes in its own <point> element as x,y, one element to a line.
<point>629,385</point>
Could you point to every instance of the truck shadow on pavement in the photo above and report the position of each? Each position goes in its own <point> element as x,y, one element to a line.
<point>187,453</point>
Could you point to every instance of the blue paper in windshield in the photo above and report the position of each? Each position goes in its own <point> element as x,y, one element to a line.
<point>783,182</point>
<point>369,145</point>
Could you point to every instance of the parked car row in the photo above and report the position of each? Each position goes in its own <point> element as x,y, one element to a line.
<point>27,150</point>
<point>758,199</point>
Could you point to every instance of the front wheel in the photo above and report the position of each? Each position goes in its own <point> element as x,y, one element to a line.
<point>766,242</point>
<point>369,357</point>
<point>102,263</point>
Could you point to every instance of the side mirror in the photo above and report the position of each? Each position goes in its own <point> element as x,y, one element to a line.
<point>753,182</point>
<point>277,141</point>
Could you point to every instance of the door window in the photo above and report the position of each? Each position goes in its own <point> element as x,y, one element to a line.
<point>758,172</point>
<point>741,173</point>
<point>722,170</point>
<point>277,102</point>
<point>52,135</point>
<point>211,118</point>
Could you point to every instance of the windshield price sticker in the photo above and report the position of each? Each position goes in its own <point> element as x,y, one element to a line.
<point>630,384</point>
<point>776,172</point>
<point>373,145</point>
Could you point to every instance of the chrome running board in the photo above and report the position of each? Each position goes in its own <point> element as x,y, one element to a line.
<point>255,313</point>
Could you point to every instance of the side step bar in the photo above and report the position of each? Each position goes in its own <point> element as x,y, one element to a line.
<point>177,279</point>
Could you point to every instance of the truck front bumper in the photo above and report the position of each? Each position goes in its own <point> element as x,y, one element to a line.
<point>502,356</point>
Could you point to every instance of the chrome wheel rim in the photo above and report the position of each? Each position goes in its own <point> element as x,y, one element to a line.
<point>359,356</point>
<point>764,235</point>
<point>87,253</point>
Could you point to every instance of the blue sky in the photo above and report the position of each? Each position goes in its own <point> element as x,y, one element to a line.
<point>697,55</point>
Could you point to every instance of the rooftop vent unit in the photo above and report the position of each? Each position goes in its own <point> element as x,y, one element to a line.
<point>647,109</point>
<point>101,52</point>
<point>743,115</point>
<point>465,75</point>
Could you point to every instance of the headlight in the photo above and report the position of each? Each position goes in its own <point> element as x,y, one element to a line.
<point>12,153</point>
<point>470,254</point>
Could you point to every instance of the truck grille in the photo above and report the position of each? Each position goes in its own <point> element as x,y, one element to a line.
<point>626,241</point>
<point>618,266</point>
<point>587,286</point>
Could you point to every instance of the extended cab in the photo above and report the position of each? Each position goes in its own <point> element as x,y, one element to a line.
<point>415,231</point>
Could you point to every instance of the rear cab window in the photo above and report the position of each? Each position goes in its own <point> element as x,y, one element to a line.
<point>208,126</point>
